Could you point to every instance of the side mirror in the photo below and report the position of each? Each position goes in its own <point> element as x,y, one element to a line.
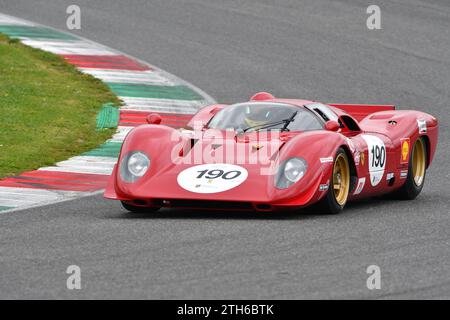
<point>154,118</point>
<point>332,125</point>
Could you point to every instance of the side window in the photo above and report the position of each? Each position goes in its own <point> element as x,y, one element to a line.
<point>323,115</point>
<point>323,111</point>
<point>305,121</point>
<point>350,123</point>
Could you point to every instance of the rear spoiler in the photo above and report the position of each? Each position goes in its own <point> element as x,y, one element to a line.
<point>360,111</point>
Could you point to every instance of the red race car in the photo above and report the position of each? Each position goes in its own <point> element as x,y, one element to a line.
<point>271,154</point>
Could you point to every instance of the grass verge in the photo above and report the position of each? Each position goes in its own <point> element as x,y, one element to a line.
<point>47,108</point>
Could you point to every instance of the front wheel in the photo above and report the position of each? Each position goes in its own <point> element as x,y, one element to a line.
<point>339,186</point>
<point>137,209</point>
<point>416,172</point>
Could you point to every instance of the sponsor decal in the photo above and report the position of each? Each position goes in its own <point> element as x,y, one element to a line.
<point>357,158</point>
<point>422,125</point>
<point>403,174</point>
<point>389,176</point>
<point>377,158</point>
<point>325,160</point>
<point>212,178</point>
<point>404,150</point>
<point>324,187</point>
<point>360,185</point>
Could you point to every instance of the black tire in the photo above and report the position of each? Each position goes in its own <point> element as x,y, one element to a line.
<point>137,209</point>
<point>329,204</point>
<point>410,190</point>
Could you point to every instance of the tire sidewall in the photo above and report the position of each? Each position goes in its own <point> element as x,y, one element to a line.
<point>410,187</point>
<point>329,203</point>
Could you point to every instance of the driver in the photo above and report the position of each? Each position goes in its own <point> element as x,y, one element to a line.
<point>259,116</point>
<point>256,116</point>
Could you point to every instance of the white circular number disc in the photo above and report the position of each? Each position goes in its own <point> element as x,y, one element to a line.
<point>377,158</point>
<point>212,178</point>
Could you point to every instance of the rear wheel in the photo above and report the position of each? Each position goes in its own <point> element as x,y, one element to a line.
<point>416,172</point>
<point>138,209</point>
<point>339,186</point>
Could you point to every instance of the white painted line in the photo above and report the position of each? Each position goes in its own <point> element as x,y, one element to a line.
<point>85,164</point>
<point>80,169</point>
<point>13,197</point>
<point>26,192</point>
<point>68,47</point>
<point>21,196</point>
<point>162,105</point>
<point>121,133</point>
<point>80,166</point>
<point>162,109</point>
<point>95,159</point>
<point>15,202</point>
<point>140,77</point>
<point>8,20</point>
<point>65,196</point>
<point>75,167</point>
<point>166,102</point>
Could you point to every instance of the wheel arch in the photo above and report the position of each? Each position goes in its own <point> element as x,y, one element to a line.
<point>352,165</point>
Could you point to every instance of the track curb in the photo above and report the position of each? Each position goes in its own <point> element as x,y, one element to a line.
<point>142,87</point>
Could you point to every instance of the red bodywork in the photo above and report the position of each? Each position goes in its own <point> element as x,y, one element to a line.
<point>395,128</point>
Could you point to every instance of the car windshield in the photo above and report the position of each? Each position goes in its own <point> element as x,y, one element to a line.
<point>265,116</point>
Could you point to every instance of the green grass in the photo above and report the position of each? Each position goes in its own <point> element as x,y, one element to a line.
<point>47,109</point>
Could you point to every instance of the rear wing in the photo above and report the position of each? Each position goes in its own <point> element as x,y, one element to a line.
<point>360,111</point>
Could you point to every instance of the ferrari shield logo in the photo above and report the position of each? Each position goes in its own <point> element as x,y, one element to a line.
<point>256,147</point>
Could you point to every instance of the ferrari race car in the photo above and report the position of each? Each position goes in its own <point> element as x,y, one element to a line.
<point>271,154</point>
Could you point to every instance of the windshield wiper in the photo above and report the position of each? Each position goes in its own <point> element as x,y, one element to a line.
<point>286,123</point>
<point>289,121</point>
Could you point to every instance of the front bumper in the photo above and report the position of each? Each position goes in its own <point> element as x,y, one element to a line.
<point>243,198</point>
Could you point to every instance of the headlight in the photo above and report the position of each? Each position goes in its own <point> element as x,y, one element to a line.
<point>291,171</point>
<point>133,166</point>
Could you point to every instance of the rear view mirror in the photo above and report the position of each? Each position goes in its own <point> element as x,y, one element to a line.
<point>154,118</point>
<point>332,125</point>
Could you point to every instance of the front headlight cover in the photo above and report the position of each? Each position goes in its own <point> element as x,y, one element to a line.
<point>290,171</point>
<point>133,166</point>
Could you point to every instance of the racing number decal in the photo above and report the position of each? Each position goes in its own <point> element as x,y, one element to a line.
<point>212,178</point>
<point>377,158</point>
<point>216,173</point>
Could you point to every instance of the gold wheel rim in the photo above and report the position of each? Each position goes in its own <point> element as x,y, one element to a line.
<point>418,162</point>
<point>341,179</point>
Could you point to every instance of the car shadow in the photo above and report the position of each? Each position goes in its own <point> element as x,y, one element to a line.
<point>171,213</point>
<point>354,207</point>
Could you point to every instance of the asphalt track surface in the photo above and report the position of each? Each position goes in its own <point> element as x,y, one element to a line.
<point>313,49</point>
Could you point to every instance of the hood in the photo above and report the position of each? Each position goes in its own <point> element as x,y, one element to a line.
<point>227,147</point>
